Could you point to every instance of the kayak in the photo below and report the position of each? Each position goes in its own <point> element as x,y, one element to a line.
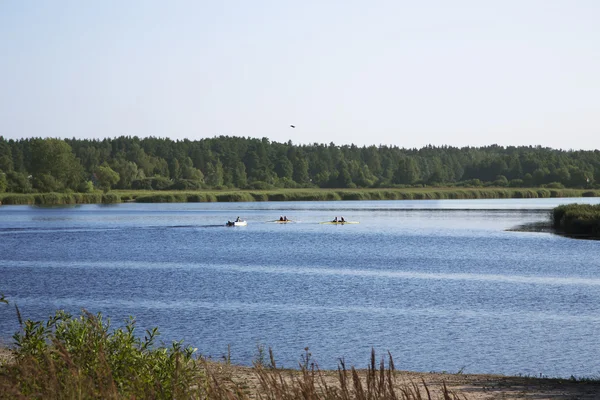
<point>283,222</point>
<point>339,222</point>
<point>236,223</point>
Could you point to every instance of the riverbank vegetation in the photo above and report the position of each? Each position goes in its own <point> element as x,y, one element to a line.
<point>82,357</point>
<point>223,163</point>
<point>577,219</point>
<point>183,196</point>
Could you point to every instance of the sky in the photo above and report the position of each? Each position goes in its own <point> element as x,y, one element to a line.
<point>391,72</point>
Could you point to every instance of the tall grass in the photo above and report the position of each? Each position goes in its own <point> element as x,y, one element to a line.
<point>428,193</point>
<point>51,199</point>
<point>577,219</point>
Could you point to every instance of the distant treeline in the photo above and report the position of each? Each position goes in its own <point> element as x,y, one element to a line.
<point>73,165</point>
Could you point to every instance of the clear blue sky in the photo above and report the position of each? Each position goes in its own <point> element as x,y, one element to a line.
<point>407,73</point>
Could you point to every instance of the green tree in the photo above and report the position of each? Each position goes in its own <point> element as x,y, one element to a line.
<point>214,174</point>
<point>3,182</point>
<point>128,172</point>
<point>106,177</point>
<point>406,172</point>
<point>18,182</point>
<point>240,179</point>
<point>46,183</point>
<point>300,174</point>
<point>189,172</point>
<point>174,169</point>
<point>284,167</point>
<point>55,158</point>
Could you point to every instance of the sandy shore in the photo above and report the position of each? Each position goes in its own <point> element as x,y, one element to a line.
<point>474,387</point>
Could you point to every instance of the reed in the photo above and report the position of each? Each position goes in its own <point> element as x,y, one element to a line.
<point>410,193</point>
<point>110,198</point>
<point>18,199</point>
<point>577,219</point>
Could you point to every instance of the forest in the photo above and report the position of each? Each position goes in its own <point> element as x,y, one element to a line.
<point>42,165</point>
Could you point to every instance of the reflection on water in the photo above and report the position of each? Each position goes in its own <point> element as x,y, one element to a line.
<point>440,284</point>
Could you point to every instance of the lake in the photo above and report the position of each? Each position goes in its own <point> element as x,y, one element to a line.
<point>440,284</point>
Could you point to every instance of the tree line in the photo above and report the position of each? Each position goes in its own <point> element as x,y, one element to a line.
<point>82,165</point>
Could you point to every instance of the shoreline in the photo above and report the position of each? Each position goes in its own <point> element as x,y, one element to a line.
<point>233,195</point>
<point>471,386</point>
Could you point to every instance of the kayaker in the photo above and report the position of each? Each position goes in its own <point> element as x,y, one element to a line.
<point>342,219</point>
<point>281,218</point>
<point>285,218</point>
<point>238,219</point>
<point>335,219</point>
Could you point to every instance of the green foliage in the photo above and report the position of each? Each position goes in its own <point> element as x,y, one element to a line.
<point>54,199</point>
<point>18,199</point>
<point>86,187</point>
<point>54,157</point>
<point>577,219</point>
<point>259,164</point>
<point>82,357</point>
<point>46,183</point>
<point>106,177</point>
<point>3,182</point>
<point>186,184</point>
<point>17,183</point>
<point>110,198</point>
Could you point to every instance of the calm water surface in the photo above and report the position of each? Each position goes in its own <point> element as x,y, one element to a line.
<point>440,284</point>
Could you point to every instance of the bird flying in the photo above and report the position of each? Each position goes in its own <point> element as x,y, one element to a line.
<point>292,126</point>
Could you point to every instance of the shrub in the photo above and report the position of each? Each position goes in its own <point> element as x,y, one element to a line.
<point>109,198</point>
<point>554,185</point>
<point>186,184</point>
<point>142,184</point>
<point>69,357</point>
<point>516,183</point>
<point>580,219</point>
<point>260,185</point>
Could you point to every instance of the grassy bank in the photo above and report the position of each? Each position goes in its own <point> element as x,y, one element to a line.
<point>433,193</point>
<point>58,198</point>
<point>577,219</point>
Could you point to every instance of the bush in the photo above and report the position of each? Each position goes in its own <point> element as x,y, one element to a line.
<point>110,198</point>
<point>260,185</point>
<point>516,183</point>
<point>501,181</point>
<point>142,184</point>
<point>69,357</point>
<point>3,182</point>
<point>186,184</point>
<point>554,185</point>
<point>579,219</point>
<point>85,187</point>
<point>17,183</point>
